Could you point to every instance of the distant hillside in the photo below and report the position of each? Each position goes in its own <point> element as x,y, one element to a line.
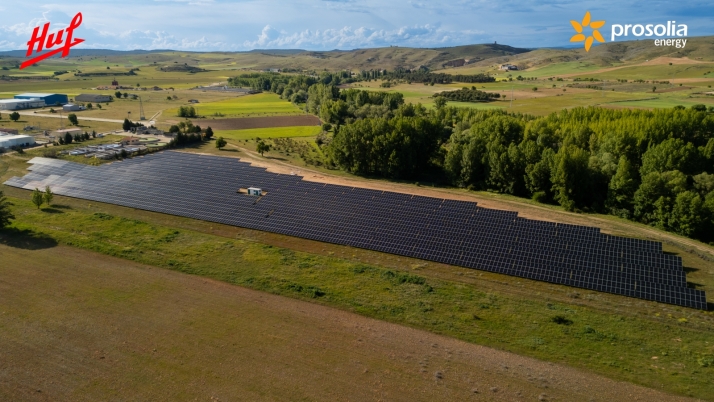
<point>458,59</point>
<point>608,54</point>
<point>260,59</point>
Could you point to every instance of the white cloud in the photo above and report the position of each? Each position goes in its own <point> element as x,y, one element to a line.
<point>350,38</point>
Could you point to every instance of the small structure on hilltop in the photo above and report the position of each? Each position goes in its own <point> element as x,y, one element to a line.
<point>508,67</point>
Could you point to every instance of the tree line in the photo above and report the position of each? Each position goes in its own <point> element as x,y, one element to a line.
<point>654,167</point>
<point>468,95</point>
<point>425,76</point>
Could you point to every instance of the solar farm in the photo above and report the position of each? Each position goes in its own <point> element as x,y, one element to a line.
<point>447,231</point>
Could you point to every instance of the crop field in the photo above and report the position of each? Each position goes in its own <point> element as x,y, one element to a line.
<point>264,104</point>
<point>273,132</point>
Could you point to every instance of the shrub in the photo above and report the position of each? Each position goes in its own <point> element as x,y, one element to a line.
<point>561,320</point>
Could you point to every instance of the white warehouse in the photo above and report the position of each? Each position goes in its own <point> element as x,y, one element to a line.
<point>20,104</point>
<point>8,141</point>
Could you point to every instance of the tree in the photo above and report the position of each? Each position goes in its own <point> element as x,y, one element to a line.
<point>73,119</point>
<point>439,102</point>
<point>124,154</point>
<point>126,95</point>
<point>262,147</point>
<point>5,213</point>
<point>174,129</point>
<point>623,185</point>
<point>117,94</point>
<point>209,133</point>
<point>68,138</point>
<point>571,177</point>
<point>90,106</point>
<point>14,116</point>
<point>127,125</point>
<point>37,198</point>
<point>99,105</point>
<point>654,89</point>
<point>220,143</point>
<point>48,195</point>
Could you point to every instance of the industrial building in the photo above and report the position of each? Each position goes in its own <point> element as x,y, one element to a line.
<point>49,99</point>
<point>10,141</point>
<point>70,107</point>
<point>96,98</point>
<point>20,104</point>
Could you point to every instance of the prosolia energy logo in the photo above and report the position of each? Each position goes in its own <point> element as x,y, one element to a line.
<point>663,32</point>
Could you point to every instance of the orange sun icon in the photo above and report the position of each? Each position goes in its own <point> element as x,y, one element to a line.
<point>579,37</point>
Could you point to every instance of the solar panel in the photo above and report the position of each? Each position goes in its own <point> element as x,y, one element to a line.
<point>442,230</point>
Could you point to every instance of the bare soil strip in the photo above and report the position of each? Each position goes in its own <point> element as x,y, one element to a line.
<point>259,122</point>
<point>79,326</point>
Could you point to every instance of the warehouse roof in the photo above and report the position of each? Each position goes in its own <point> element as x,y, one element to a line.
<point>35,94</point>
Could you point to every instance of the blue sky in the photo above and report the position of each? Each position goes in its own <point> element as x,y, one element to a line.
<point>213,25</point>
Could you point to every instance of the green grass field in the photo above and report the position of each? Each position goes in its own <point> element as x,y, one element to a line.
<point>273,132</point>
<point>264,104</point>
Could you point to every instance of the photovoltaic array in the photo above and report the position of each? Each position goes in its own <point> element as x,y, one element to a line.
<point>448,231</point>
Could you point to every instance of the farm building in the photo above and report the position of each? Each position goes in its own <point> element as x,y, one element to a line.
<point>255,191</point>
<point>508,67</point>
<point>70,107</point>
<point>10,141</point>
<point>93,98</point>
<point>49,99</point>
<point>20,104</point>
<point>5,131</point>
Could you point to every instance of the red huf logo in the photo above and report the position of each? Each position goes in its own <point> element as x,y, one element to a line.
<point>43,41</point>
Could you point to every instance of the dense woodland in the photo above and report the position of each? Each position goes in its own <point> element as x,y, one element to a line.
<point>654,167</point>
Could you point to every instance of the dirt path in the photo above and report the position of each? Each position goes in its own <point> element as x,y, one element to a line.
<point>83,326</point>
<point>487,200</point>
<point>64,116</point>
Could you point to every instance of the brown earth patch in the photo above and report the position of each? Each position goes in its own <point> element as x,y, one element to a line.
<point>673,89</point>
<point>82,326</point>
<point>259,122</point>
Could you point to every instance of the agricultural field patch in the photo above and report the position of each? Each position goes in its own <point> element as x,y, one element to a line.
<point>272,132</point>
<point>264,104</point>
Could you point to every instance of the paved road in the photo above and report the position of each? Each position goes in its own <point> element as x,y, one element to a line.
<point>64,116</point>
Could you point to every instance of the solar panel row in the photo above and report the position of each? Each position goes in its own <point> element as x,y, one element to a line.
<point>449,231</point>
